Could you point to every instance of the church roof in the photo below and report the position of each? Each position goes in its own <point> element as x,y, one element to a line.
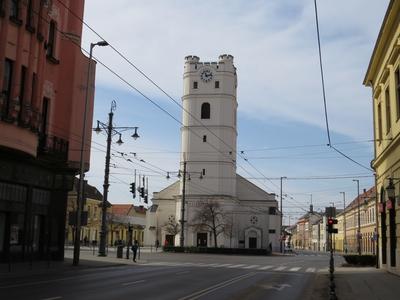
<point>168,192</point>
<point>246,190</point>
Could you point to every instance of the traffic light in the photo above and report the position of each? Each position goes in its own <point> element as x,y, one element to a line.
<point>132,189</point>
<point>141,192</point>
<point>330,228</point>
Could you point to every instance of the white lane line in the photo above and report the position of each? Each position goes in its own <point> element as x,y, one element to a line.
<point>181,273</point>
<point>280,268</point>
<point>210,265</point>
<point>52,298</point>
<point>251,267</point>
<point>310,270</point>
<point>133,282</point>
<point>265,267</point>
<point>294,269</point>
<point>236,266</point>
<point>213,288</point>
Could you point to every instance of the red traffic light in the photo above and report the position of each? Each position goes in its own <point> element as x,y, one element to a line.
<point>332,221</point>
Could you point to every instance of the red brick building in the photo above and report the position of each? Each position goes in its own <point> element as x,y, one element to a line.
<point>43,80</point>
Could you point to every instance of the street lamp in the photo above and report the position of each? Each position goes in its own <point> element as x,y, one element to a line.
<point>281,237</point>
<point>182,220</point>
<point>111,130</point>
<point>79,209</point>
<point>344,222</point>
<point>358,217</point>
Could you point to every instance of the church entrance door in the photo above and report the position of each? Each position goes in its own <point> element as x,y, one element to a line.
<point>252,242</point>
<point>201,239</point>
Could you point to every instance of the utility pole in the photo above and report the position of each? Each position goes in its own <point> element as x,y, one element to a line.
<point>358,217</point>
<point>111,131</point>
<point>344,223</point>
<point>281,237</point>
<point>182,237</point>
<point>77,241</point>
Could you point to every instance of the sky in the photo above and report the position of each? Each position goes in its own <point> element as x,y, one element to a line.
<point>281,121</point>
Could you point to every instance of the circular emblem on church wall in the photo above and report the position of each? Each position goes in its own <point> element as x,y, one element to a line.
<point>253,220</point>
<point>171,218</point>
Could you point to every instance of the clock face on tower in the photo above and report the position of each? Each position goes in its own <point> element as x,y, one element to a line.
<point>206,75</point>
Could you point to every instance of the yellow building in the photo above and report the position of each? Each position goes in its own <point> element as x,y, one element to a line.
<point>383,76</point>
<point>90,233</point>
<point>123,216</point>
<point>346,238</point>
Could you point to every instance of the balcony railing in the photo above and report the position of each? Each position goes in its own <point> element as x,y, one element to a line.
<point>53,148</point>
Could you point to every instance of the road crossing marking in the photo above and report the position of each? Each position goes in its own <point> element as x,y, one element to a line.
<point>310,270</point>
<point>236,266</point>
<point>223,265</point>
<point>295,269</point>
<point>265,267</point>
<point>281,268</point>
<point>251,267</point>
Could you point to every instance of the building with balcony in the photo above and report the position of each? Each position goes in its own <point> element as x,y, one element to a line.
<point>43,81</point>
<point>383,76</point>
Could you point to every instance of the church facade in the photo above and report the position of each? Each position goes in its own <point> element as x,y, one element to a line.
<point>248,215</point>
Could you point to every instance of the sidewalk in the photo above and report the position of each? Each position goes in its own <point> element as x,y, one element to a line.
<point>366,283</point>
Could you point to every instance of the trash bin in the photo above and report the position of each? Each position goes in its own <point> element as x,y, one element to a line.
<point>120,250</point>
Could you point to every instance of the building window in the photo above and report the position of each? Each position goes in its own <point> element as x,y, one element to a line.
<point>387,105</point>
<point>204,138</point>
<point>217,84</point>
<point>397,75</point>
<point>7,79</point>
<point>33,91</point>
<point>205,110</point>
<point>29,17</point>
<point>379,122</point>
<point>51,40</point>
<point>204,172</point>
<point>14,9</point>
<point>22,87</point>
<point>271,231</point>
<point>45,116</point>
<point>272,211</point>
<point>195,84</point>
<point>2,8</point>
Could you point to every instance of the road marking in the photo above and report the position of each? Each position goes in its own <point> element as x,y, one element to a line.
<point>183,272</point>
<point>277,287</point>
<point>294,269</point>
<point>236,266</point>
<point>310,270</point>
<point>323,270</point>
<point>213,288</point>
<point>52,298</point>
<point>280,268</point>
<point>223,265</point>
<point>265,268</point>
<point>210,265</point>
<point>133,282</point>
<point>251,267</point>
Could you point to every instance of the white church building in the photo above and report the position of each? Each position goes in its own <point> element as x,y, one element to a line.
<point>208,161</point>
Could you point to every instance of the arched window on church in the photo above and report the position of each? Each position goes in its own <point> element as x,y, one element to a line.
<point>205,110</point>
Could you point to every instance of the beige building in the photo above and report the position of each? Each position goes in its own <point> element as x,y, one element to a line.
<point>383,76</point>
<point>90,231</point>
<point>346,239</point>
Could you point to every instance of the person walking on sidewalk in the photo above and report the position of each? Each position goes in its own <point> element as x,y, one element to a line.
<point>135,247</point>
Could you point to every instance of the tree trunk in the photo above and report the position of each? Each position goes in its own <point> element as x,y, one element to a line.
<point>215,238</point>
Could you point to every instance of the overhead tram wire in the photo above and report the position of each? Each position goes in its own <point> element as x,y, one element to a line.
<point>151,81</point>
<point>324,94</point>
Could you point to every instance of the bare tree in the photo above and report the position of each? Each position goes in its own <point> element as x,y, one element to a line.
<point>230,228</point>
<point>171,227</point>
<point>210,217</point>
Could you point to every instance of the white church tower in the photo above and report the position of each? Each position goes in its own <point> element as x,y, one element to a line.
<point>209,135</point>
<point>209,125</point>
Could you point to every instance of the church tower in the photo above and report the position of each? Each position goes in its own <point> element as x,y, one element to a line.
<point>209,130</point>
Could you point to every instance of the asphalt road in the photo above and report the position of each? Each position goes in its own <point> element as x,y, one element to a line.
<point>177,276</point>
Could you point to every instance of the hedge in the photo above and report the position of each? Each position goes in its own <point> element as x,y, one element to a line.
<point>360,260</point>
<point>232,251</point>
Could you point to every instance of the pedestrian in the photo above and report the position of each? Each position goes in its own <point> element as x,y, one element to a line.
<point>270,247</point>
<point>157,244</point>
<point>135,247</point>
